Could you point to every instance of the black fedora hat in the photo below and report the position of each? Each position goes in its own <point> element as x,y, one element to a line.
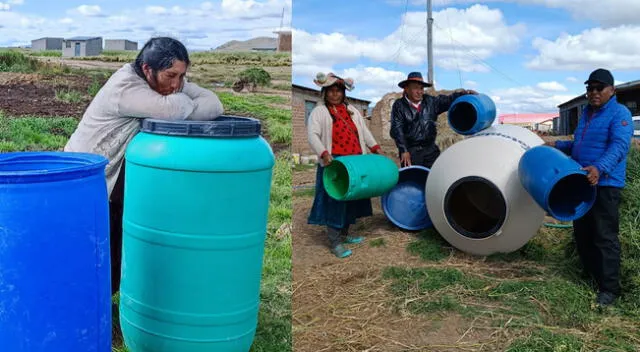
<point>414,77</point>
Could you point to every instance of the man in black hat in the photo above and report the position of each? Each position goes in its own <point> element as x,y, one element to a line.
<point>413,121</point>
<point>601,143</point>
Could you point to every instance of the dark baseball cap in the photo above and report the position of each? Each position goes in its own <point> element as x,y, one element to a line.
<point>600,75</point>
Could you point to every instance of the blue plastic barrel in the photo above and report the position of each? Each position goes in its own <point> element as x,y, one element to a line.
<point>471,113</point>
<point>361,176</point>
<point>195,219</point>
<point>55,286</point>
<point>405,204</point>
<point>556,182</point>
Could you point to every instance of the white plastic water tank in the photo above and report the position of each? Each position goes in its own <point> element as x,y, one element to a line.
<point>474,195</point>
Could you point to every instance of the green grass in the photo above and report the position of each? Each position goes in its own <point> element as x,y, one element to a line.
<point>543,340</point>
<point>278,120</point>
<point>535,293</point>
<point>199,58</point>
<point>15,61</point>
<point>69,96</point>
<point>274,320</point>
<point>35,133</point>
<point>378,242</point>
<point>429,246</point>
<point>46,53</point>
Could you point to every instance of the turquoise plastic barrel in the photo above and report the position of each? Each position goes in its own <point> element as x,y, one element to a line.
<point>556,182</point>
<point>471,113</point>
<point>359,176</point>
<point>195,219</point>
<point>55,286</point>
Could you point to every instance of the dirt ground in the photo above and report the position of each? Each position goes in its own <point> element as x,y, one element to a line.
<point>345,304</point>
<point>33,94</point>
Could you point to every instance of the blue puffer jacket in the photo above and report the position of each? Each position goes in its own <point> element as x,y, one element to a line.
<point>603,140</point>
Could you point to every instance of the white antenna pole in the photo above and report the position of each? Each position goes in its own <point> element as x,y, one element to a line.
<point>429,43</point>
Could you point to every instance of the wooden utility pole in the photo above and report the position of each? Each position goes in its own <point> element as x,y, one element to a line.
<point>429,43</point>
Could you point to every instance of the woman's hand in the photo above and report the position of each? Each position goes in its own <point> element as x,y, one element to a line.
<point>327,159</point>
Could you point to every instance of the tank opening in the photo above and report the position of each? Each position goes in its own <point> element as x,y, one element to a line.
<point>571,197</point>
<point>463,116</point>
<point>338,180</point>
<point>414,174</point>
<point>475,207</point>
<point>40,164</point>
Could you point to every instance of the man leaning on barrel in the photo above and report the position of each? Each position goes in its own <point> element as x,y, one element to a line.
<point>601,143</point>
<point>413,120</point>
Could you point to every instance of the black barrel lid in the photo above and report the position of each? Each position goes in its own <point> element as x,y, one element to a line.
<point>223,126</point>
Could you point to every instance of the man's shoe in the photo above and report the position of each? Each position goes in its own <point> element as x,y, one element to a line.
<point>605,298</point>
<point>340,252</point>
<point>353,239</point>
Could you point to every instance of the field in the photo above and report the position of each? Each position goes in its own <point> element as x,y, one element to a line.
<point>43,97</point>
<point>406,291</point>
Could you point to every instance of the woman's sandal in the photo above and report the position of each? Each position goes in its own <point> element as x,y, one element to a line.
<point>340,252</point>
<point>353,239</point>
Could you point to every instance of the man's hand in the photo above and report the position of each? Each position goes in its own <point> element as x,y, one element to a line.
<point>378,151</point>
<point>593,175</point>
<point>470,91</point>
<point>550,144</point>
<point>405,159</point>
<point>327,159</point>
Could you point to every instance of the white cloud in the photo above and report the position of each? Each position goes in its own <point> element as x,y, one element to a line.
<point>572,79</point>
<point>470,83</point>
<point>614,13</point>
<point>614,48</point>
<point>156,10</point>
<point>206,6</point>
<point>248,9</point>
<point>483,32</point>
<point>527,99</point>
<point>16,2</point>
<point>4,7</point>
<point>177,10</point>
<point>202,31</point>
<point>89,10</point>
<point>552,86</point>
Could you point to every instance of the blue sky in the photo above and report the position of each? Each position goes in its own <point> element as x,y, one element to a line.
<point>528,55</point>
<point>201,25</point>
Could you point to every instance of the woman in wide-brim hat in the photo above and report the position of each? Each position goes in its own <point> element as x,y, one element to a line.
<point>334,129</point>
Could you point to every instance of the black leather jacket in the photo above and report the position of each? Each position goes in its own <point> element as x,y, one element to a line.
<point>411,128</point>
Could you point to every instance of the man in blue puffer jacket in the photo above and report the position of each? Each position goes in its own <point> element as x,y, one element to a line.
<point>601,143</point>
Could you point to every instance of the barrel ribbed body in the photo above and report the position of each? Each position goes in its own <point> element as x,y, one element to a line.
<point>195,218</point>
<point>55,288</point>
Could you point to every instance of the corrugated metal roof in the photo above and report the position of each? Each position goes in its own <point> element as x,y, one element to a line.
<point>619,87</point>
<point>526,118</point>
<point>82,38</point>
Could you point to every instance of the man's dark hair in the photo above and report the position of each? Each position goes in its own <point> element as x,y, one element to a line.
<point>159,53</point>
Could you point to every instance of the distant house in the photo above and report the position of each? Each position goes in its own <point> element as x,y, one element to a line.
<point>82,46</point>
<point>626,93</point>
<point>120,44</point>
<point>535,122</point>
<point>303,100</point>
<point>46,43</point>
